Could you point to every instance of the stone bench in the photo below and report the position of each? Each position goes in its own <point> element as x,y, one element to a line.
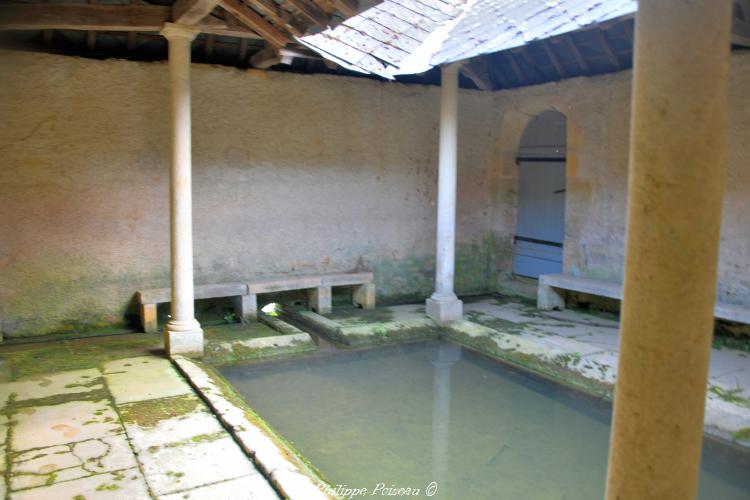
<point>552,287</point>
<point>245,295</point>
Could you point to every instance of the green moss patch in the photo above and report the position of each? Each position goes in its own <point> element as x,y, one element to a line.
<point>555,371</point>
<point>227,353</point>
<point>237,331</point>
<point>28,360</point>
<point>148,414</point>
<point>499,324</point>
<point>346,316</point>
<point>742,435</point>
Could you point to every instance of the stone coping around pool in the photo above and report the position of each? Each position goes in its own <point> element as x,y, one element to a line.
<point>292,475</point>
<point>238,348</point>
<point>574,364</point>
<point>347,332</point>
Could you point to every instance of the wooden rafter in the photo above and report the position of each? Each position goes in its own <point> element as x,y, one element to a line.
<point>497,73</point>
<point>227,27</point>
<point>553,58</point>
<point>265,58</point>
<point>256,22</point>
<point>347,7</point>
<point>278,16</point>
<point>530,62</point>
<point>607,48</point>
<point>514,67</point>
<point>576,53</point>
<point>192,11</point>
<point>476,71</point>
<point>310,12</point>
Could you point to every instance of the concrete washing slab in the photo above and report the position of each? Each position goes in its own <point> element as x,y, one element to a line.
<point>586,347</point>
<point>127,428</point>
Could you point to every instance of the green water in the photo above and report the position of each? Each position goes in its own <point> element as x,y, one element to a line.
<point>408,415</point>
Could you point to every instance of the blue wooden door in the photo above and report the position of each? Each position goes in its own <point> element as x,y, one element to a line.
<point>540,227</point>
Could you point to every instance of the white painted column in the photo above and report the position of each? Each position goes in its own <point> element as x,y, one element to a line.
<point>675,185</point>
<point>443,305</point>
<point>183,333</point>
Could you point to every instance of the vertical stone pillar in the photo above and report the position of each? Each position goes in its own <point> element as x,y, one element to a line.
<point>183,334</point>
<point>443,305</point>
<point>677,143</point>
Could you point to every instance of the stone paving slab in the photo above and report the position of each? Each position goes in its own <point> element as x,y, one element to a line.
<point>129,429</point>
<point>71,382</point>
<point>178,468</point>
<point>44,426</point>
<point>252,487</point>
<point>128,484</point>
<point>142,378</point>
<point>173,430</point>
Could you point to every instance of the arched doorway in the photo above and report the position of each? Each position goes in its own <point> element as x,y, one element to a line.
<point>540,223</point>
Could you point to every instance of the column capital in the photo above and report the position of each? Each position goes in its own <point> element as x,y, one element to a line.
<point>174,31</point>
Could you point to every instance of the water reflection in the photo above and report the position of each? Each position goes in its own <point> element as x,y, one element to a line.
<point>447,355</point>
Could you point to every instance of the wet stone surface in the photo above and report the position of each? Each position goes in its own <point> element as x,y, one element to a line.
<point>117,428</point>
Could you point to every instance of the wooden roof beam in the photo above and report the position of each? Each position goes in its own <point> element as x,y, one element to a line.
<point>607,48</point>
<point>98,17</point>
<point>271,10</point>
<point>192,11</point>
<point>553,58</point>
<point>576,53</point>
<point>254,21</point>
<point>476,72</point>
<point>212,25</point>
<point>347,7</point>
<point>310,12</point>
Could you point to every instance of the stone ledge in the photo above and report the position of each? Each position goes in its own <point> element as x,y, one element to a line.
<point>291,341</point>
<point>279,465</point>
<point>574,363</point>
<point>367,334</point>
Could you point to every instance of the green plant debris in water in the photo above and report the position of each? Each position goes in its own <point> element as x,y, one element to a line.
<point>149,413</point>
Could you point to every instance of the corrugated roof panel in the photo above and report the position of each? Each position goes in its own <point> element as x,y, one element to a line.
<point>405,32</point>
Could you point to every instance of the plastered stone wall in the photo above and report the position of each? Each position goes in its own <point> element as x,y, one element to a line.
<point>293,174</point>
<point>297,174</point>
<point>598,121</point>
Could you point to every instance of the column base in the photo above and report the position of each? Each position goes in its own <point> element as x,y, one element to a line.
<point>184,338</point>
<point>444,310</point>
